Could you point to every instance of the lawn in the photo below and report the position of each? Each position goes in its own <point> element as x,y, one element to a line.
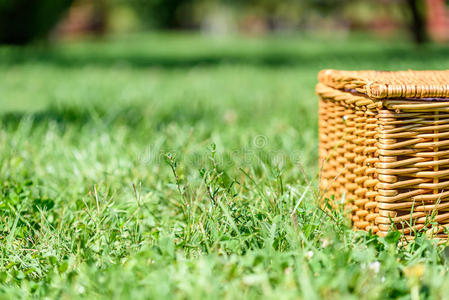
<point>184,166</point>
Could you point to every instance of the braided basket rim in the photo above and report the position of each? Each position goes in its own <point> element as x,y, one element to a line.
<point>422,85</point>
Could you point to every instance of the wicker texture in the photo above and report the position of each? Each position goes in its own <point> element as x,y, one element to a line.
<point>384,148</point>
<point>380,85</point>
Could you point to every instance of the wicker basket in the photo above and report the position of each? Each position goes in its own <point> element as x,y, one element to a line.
<point>384,148</point>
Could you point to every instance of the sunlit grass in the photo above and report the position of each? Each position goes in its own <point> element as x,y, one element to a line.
<point>181,166</point>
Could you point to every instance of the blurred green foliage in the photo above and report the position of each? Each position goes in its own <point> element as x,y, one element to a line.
<point>268,15</point>
<point>169,14</point>
<point>175,14</point>
<point>24,20</point>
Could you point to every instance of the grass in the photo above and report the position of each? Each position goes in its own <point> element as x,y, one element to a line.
<point>181,166</point>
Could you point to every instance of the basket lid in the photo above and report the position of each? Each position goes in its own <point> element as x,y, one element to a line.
<point>384,84</point>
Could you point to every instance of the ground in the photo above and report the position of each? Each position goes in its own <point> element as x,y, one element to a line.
<point>185,166</point>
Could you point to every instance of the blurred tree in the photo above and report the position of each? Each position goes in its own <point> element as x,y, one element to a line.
<point>261,16</point>
<point>85,17</point>
<point>327,6</point>
<point>168,14</point>
<point>22,21</point>
<point>415,13</point>
<point>417,25</point>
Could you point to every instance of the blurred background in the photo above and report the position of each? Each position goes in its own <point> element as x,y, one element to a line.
<point>25,21</point>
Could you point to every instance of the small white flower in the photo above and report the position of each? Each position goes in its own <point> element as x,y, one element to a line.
<point>81,289</point>
<point>324,243</point>
<point>382,279</point>
<point>309,254</point>
<point>374,266</point>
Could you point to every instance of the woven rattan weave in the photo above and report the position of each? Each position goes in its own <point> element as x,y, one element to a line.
<point>384,148</point>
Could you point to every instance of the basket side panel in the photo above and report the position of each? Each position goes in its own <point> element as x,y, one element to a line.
<point>328,144</point>
<point>366,177</point>
<point>347,157</point>
<point>413,168</point>
<point>348,137</point>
